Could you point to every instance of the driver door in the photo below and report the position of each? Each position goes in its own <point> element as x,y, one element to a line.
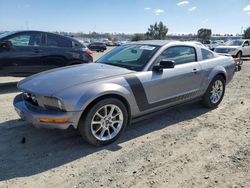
<point>171,86</point>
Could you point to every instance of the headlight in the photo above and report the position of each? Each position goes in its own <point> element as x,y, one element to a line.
<point>53,103</point>
<point>30,98</point>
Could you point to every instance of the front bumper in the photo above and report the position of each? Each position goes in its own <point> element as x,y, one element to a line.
<point>32,115</point>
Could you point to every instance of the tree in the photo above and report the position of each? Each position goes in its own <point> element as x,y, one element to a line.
<point>138,36</point>
<point>157,31</point>
<point>108,35</point>
<point>93,34</point>
<point>204,34</point>
<point>247,33</point>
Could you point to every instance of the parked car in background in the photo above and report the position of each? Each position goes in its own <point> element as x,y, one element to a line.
<point>97,46</point>
<point>130,81</point>
<point>109,43</point>
<point>212,44</point>
<point>24,53</point>
<point>237,48</point>
<point>117,43</point>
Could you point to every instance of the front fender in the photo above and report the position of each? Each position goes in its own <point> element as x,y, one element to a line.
<point>101,90</point>
<point>79,97</point>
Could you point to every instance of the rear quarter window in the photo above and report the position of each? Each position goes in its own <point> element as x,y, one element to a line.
<point>58,41</point>
<point>206,54</point>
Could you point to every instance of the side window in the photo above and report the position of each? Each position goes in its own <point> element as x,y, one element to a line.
<point>179,54</point>
<point>76,44</point>
<point>246,43</point>
<point>57,41</point>
<point>206,54</point>
<point>32,39</point>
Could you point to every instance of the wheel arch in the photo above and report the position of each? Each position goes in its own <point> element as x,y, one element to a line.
<point>105,96</point>
<point>240,51</point>
<point>95,93</point>
<point>218,71</point>
<point>223,75</point>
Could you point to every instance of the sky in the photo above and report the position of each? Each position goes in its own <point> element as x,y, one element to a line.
<point>125,16</point>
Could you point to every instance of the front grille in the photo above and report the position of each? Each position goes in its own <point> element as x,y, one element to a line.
<point>221,50</point>
<point>30,98</point>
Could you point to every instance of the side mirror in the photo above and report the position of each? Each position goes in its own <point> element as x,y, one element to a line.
<point>164,64</point>
<point>6,44</point>
<point>133,51</point>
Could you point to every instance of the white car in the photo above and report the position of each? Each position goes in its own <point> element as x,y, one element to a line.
<point>212,44</point>
<point>237,48</point>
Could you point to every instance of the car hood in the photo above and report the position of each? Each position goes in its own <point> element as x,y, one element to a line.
<point>49,82</point>
<point>227,47</point>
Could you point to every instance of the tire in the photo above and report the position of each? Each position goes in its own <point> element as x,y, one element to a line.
<point>215,92</point>
<point>239,55</point>
<point>98,129</point>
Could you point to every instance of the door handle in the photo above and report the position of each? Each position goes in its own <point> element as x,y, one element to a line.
<point>195,70</point>
<point>37,51</point>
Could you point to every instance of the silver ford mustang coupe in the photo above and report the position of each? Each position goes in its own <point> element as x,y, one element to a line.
<point>132,80</point>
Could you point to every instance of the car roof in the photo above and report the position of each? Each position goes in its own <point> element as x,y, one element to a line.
<point>22,31</point>
<point>154,42</point>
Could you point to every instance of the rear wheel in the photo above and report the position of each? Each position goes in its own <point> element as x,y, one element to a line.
<point>215,92</point>
<point>104,122</point>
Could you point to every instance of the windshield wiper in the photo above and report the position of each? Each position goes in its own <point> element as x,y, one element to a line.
<point>115,64</point>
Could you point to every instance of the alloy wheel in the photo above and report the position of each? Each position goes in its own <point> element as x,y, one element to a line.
<point>216,92</point>
<point>107,122</point>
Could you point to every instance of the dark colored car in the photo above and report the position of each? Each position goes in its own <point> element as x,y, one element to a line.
<point>24,53</point>
<point>98,46</point>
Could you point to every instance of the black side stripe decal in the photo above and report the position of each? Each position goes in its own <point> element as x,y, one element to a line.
<point>138,91</point>
<point>141,97</point>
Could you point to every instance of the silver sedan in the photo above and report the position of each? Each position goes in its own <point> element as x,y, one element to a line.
<point>132,80</point>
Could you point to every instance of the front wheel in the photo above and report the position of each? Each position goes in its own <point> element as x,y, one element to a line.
<point>215,92</point>
<point>104,122</point>
<point>239,55</point>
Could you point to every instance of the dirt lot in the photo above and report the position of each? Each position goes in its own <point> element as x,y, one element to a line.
<point>189,146</point>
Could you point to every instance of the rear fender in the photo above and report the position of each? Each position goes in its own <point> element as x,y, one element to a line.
<point>216,70</point>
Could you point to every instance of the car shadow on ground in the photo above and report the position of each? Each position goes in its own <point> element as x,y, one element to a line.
<point>9,87</point>
<point>27,151</point>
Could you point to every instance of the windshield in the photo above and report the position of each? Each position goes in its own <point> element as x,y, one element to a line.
<point>131,56</point>
<point>234,43</point>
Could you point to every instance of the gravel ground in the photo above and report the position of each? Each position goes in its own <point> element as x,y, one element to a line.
<point>189,146</point>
